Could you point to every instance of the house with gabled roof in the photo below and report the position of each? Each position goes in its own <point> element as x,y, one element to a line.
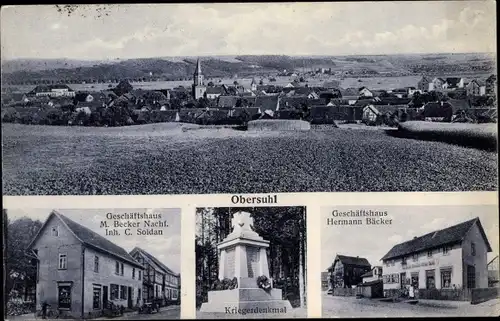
<point>159,281</point>
<point>227,101</point>
<point>437,84</point>
<point>365,92</point>
<point>346,271</point>
<point>80,272</point>
<point>372,284</point>
<point>454,83</point>
<point>451,258</point>
<point>424,83</point>
<point>268,103</point>
<point>213,92</point>
<point>476,88</point>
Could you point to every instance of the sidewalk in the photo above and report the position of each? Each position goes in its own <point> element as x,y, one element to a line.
<point>443,303</point>
<point>132,313</point>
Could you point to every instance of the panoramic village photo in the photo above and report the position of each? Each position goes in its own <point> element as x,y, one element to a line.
<point>119,264</point>
<point>249,98</point>
<point>410,261</point>
<point>245,269</point>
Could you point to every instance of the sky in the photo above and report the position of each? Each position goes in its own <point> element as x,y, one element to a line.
<point>332,28</point>
<point>373,242</point>
<point>166,248</point>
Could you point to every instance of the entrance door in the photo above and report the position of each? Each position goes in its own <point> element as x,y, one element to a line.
<point>430,280</point>
<point>402,280</point>
<point>105,296</point>
<point>129,296</point>
<point>471,277</point>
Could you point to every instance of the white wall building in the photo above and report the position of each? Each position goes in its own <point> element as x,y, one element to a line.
<point>455,257</point>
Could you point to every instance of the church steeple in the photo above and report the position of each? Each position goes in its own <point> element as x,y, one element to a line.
<point>198,76</point>
<point>198,67</point>
<point>198,87</point>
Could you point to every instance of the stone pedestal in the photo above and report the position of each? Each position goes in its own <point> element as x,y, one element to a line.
<point>242,254</point>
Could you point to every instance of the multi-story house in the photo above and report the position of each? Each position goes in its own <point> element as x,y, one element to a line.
<point>373,275</point>
<point>159,282</point>
<point>372,286</point>
<point>80,272</point>
<point>365,92</point>
<point>437,84</point>
<point>423,84</point>
<point>475,88</point>
<point>346,271</point>
<point>454,257</point>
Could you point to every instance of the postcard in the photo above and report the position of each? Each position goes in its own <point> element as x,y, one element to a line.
<point>250,160</point>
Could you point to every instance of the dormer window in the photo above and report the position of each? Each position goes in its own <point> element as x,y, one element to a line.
<point>55,231</point>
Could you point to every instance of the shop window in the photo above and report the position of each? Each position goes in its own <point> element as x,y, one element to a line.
<point>96,264</point>
<point>114,291</point>
<point>430,279</point>
<point>96,298</point>
<point>64,297</point>
<point>63,262</point>
<point>446,278</point>
<point>473,249</point>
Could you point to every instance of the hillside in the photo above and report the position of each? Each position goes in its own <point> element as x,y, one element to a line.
<point>179,68</point>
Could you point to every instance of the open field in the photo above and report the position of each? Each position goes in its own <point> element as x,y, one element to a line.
<point>375,83</point>
<point>172,158</point>
<point>482,136</point>
<point>372,83</point>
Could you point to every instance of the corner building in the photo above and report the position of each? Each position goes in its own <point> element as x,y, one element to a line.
<point>80,273</point>
<point>451,258</point>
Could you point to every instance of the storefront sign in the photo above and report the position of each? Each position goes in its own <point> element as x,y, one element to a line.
<point>419,264</point>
